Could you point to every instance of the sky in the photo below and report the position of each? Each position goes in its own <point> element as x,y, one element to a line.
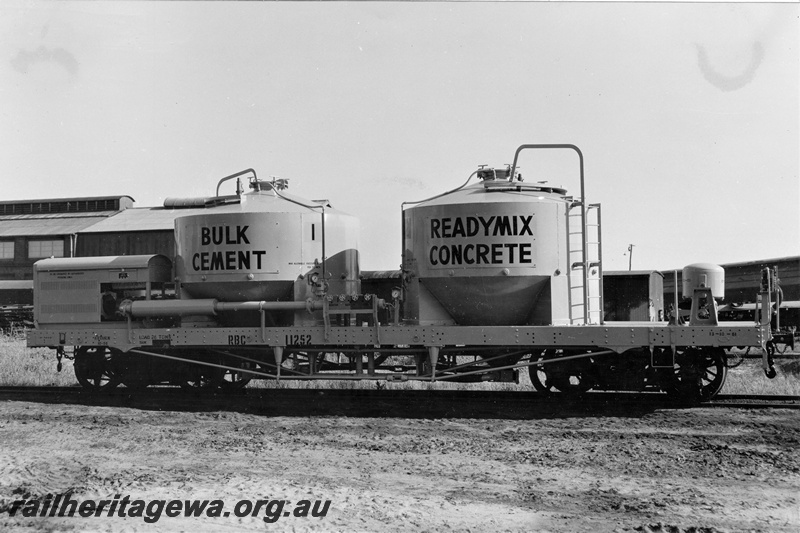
<point>687,114</point>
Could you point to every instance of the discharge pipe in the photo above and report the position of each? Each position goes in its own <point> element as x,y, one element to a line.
<point>208,307</point>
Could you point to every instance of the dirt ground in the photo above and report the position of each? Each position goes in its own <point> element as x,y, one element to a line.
<point>665,470</point>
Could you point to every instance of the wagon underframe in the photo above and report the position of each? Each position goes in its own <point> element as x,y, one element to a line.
<point>430,341</point>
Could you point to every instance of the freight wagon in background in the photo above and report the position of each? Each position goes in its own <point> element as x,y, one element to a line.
<point>739,302</point>
<point>496,276</point>
<point>16,305</point>
<point>740,278</point>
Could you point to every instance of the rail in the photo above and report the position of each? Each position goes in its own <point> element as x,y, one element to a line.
<point>336,397</point>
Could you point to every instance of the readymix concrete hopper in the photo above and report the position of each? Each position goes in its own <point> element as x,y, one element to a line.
<point>499,252</point>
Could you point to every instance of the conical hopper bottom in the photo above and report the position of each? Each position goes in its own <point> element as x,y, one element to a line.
<point>492,300</point>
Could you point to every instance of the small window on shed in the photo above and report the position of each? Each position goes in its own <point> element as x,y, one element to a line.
<point>7,250</point>
<point>42,249</point>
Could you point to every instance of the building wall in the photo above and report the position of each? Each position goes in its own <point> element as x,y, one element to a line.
<point>139,243</point>
<point>25,221</point>
<point>21,266</point>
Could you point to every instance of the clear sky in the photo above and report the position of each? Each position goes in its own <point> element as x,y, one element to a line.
<point>687,114</point>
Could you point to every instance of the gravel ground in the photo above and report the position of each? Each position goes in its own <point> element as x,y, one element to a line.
<point>665,470</point>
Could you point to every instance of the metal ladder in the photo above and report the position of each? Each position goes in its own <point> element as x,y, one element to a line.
<point>586,271</point>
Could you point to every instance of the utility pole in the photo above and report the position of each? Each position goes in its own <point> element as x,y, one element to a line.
<point>630,257</point>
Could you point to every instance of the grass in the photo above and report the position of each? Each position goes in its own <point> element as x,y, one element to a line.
<point>24,366</point>
<point>20,365</point>
<point>749,378</point>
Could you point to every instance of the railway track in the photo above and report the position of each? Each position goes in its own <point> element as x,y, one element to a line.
<point>385,403</point>
<point>754,401</point>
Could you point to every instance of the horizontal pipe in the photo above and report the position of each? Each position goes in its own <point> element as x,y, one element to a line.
<point>142,308</point>
<point>208,307</point>
<point>311,305</point>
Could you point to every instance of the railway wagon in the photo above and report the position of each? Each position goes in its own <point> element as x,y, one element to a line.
<point>16,304</point>
<point>742,281</point>
<point>498,275</point>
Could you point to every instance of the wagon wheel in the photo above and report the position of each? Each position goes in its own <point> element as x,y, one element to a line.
<point>199,381</point>
<point>233,379</point>
<point>570,377</point>
<point>574,382</point>
<point>200,377</point>
<point>320,360</point>
<point>538,373</point>
<point>698,374</point>
<point>94,369</point>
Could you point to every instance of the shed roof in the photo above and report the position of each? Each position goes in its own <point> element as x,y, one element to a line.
<point>141,219</point>
<point>50,224</point>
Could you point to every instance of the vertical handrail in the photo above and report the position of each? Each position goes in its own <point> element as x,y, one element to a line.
<point>403,263</point>
<point>570,299</point>
<point>600,266</point>
<point>600,260</point>
<point>324,257</point>
<point>778,312</point>
<point>676,315</point>
<point>583,212</point>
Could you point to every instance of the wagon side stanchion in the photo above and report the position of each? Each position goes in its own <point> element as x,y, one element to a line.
<point>764,318</point>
